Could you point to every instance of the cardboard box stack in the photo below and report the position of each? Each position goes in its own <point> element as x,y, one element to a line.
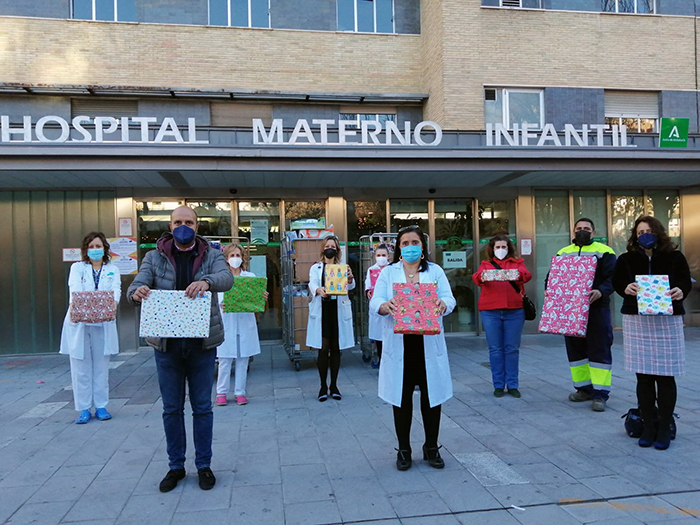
<point>306,254</point>
<point>301,318</point>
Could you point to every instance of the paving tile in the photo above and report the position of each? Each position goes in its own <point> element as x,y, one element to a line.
<point>613,486</point>
<point>195,499</point>
<point>12,498</point>
<point>688,502</point>
<point>418,504</point>
<point>311,513</point>
<point>61,488</point>
<point>304,483</point>
<point>261,504</point>
<point>257,469</point>
<point>196,518</point>
<point>592,512</point>
<point>543,514</point>
<point>101,500</point>
<point>147,509</point>
<point>519,495</point>
<point>493,517</point>
<point>461,491</point>
<point>361,499</point>
<point>650,509</point>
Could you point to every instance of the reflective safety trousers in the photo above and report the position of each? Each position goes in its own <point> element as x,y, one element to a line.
<point>590,357</point>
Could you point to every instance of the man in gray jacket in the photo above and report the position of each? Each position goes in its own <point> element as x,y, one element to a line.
<point>185,261</point>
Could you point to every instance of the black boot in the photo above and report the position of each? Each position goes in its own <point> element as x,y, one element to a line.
<point>403,459</point>
<point>432,456</point>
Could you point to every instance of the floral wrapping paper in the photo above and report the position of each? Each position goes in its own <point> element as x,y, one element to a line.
<point>566,299</point>
<point>500,275</point>
<point>418,311</point>
<point>92,307</point>
<point>336,279</point>
<point>654,296</point>
<point>246,295</point>
<point>168,313</point>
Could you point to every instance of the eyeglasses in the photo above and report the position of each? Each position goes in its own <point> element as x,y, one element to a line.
<point>409,228</point>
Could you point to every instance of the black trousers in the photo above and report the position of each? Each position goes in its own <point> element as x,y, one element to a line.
<point>414,374</point>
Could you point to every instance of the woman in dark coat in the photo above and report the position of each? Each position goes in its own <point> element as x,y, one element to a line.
<point>654,344</point>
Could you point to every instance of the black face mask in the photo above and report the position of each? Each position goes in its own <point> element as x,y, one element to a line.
<point>582,238</point>
<point>330,253</point>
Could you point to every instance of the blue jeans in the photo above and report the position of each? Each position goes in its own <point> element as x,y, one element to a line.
<point>174,367</point>
<point>503,330</point>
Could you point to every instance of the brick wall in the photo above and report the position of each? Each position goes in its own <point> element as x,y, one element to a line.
<point>46,51</point>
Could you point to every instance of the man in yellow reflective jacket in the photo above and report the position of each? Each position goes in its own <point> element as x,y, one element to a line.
<point>590,357</point>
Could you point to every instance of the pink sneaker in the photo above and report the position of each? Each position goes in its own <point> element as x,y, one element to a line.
<point>221,400</point>
<point>241,400</point>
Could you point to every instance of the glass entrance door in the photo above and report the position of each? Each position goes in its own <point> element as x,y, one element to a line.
<point>454,251</point>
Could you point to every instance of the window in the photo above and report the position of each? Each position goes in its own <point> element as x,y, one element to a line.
<point>112,10</point>
<point>366,16</point>
<point>509,106</point>
<point>382,118</point>
<point>528,4</point>
<point>628,6</point>
<point>639,111</point>
<point>239,13</point>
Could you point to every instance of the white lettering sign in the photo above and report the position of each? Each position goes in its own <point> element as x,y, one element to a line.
<point>527,134</point>
<point>370,133</point>
<point>106,130</point>
<point>454,259</point>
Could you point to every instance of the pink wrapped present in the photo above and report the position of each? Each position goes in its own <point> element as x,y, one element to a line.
<point>92,307</point>
<point>500,275</point>
<point>418,311</point>
<point>654,296</point>
<point>566,299</point>
<point>373,276</point>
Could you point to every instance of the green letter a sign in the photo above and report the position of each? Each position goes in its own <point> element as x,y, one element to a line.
<point>674,133</point>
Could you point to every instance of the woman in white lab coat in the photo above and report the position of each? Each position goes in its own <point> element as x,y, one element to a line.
<point>241,339</point>
<point>91,345</point>
<point>330,320</point>
<point>410,360</point>
<point>381,258</point>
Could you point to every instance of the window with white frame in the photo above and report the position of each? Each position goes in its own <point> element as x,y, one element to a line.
<point>382,116</point>
<point>110,10</point>
<point>644,7</point>
<point>531,4</point>
<point>366,16</point>
<point>638,110</point>
<point>239,13</point>
<point>510,106</point>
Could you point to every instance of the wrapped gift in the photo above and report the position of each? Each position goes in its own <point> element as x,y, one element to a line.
<point>566,299</point>
<point>92,307</point>
<point>246,295</point>
<point>373,276</point>
<point>418,311</point>
<point>169,313</point>
<point>336,279</point>
<point>654,296</point>
<point>500,275</point>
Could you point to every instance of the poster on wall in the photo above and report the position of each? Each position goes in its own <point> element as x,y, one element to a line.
<point>259,231</point>
<point>258,265</point>
<point>72,255</point>
<point>124,254</point>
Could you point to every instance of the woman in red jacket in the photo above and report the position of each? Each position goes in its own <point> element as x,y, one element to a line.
<point>501,308</point>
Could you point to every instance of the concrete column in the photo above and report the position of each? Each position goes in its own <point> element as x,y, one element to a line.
<point>525,229</point>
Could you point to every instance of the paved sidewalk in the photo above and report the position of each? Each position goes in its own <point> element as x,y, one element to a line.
<point>285,458</point>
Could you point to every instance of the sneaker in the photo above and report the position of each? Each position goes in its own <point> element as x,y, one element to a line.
<point>499,392</point>
<point>598,405</point>
<point>206,478</point>
<point>514,392</point>
<point>221,400</point>
<point>84,417</point>
<point>579,396</point>
<point>241,400</point>
<point>170,480</point>
<point>102,414</point>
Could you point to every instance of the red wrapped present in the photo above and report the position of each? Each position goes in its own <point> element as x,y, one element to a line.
<point>418,311</point>
<point>566,299</point>
<point>96,306</point>
<point>373,276</point>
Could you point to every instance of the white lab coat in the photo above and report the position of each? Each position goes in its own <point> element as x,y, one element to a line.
<point>437,365</point>
<point>375,320</point>
<point>346,336</point>
<point>241,324</point>
<point>73,334</point>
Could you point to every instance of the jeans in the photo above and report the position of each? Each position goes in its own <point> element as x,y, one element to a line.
<point>174,367</point>
<point>503,330</point>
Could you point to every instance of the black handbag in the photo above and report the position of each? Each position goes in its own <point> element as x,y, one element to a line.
<point>528,306</point>
<point>634,424</point>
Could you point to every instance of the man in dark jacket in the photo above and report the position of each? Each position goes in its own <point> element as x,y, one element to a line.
<point>590,357</point>
<point>185,261</point>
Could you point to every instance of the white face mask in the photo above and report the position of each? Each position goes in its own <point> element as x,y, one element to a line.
<point>500,253</point>
<point>382,261</point>
<point>235,262</point>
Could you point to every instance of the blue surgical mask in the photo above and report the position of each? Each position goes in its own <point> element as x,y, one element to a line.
<point>647,240</point>
<point>95,254</point>
<point>411,253</point>
<point>184,235</point>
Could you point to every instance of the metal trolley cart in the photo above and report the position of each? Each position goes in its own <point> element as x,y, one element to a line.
<point>298,255</point>
<point>368,243</point>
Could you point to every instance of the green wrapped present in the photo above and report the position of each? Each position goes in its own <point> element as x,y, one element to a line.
<point>246,295</point>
